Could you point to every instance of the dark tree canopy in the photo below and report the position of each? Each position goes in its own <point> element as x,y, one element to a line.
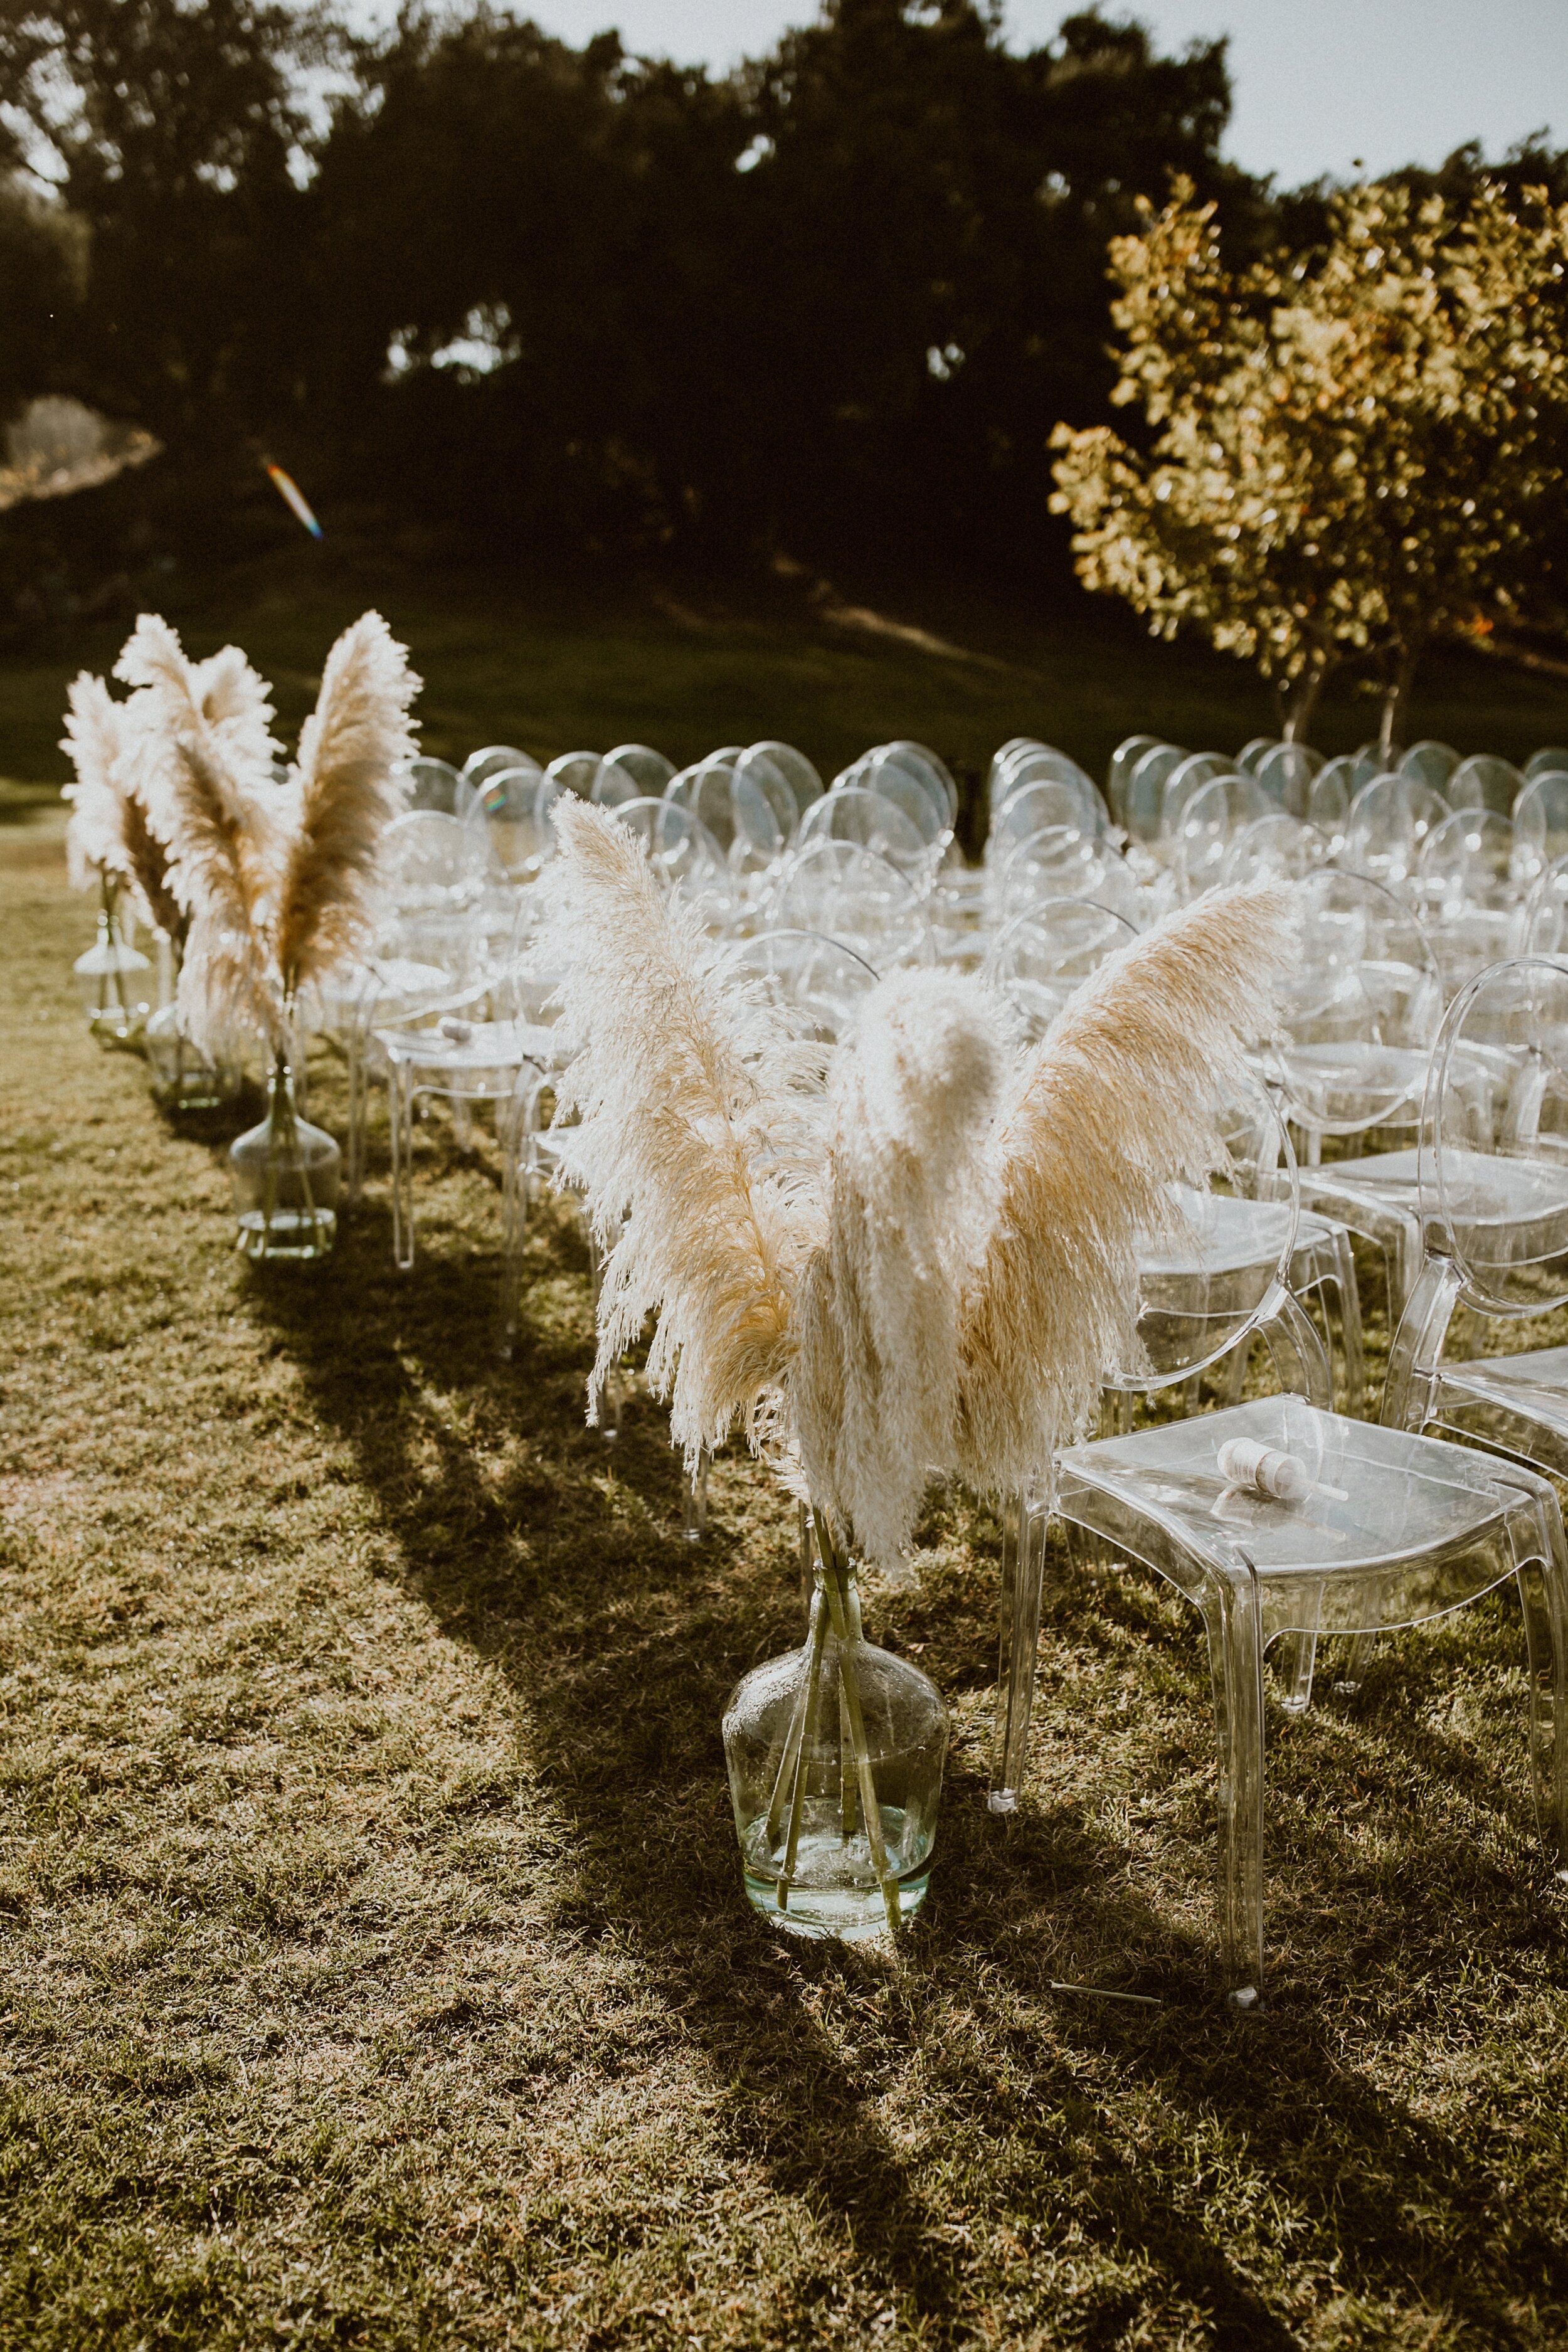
<point>833,303</point>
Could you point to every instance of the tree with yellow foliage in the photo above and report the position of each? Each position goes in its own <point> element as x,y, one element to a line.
<point>1355,450</point>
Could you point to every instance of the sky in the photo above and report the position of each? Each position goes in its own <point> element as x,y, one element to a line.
<point>1320,85</point>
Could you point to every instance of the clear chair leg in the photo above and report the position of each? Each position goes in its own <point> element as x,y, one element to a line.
<point>1232,1616</point>
<point>1023,1526</point>
<point>354,1172</point>
<point>1543,1595</point>
<point>514,1226</point>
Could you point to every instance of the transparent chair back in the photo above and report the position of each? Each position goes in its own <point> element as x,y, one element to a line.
<point>614,785</point>
<point>1286,774</point>
<point>1551,760</point>
<point>1251,752</point>
<point>574,772</point>
<point>855,895</point>
<point>649,771</point>
<point>782,763</point>
<point>1468,886</point>
<point>433,861</point>
<point>1278,846</point>
<point>435,785</point>
<point>1042,958</point>
<point>864,819</point>
<point>1038,802</point>
<point>512,815</point>
<point>923,764</point>
<point>1543,920</point>
<point>819,981</point>
<point>1060,861</point>
<point>1431,763</point>
<point>496,759</point>
<point>1485,781</point>
<point>913,790</point>
<point>1360,1006</point>
<point>1144,804</point>
<point>1494,1154</point>
<point>683,853</point>
<point>1390,819</point>
<point>1541,821</point>
<point>704,790</point>
<point>1119,775</point>
<point>1189,776</point>
<point>1210,822</point>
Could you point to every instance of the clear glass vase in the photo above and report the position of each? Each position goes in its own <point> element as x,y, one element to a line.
<point>182,1078</point>
<point>835,1754</point>
<point>286,1176</point>
<point>115,980</point>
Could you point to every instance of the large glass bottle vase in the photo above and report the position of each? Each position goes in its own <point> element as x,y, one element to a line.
<point>287,1175</point>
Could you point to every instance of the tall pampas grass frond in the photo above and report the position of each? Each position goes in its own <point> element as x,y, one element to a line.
<point>673,1121</point>
<point>1121,1100</point>
<point>347,792</point>
<point>875,1376</point>
<point>227,977</point>
<point>221,709</point>
<point>110,831</point>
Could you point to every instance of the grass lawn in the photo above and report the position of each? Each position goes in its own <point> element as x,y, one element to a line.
<point>375,1966</point>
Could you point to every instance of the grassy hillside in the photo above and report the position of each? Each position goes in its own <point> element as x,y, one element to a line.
<point>597,659</point>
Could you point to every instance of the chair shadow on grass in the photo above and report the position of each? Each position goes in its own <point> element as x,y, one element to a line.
<point>568,1571</point>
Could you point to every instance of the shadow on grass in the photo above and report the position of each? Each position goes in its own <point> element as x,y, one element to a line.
<point>562,1560</point>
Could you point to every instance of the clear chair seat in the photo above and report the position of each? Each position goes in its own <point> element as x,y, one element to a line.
<point>1535,1383</point>
<point>480,1065</point>
<point>1425,1528</point>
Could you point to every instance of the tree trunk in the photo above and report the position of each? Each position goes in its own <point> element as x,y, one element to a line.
<point>1395,697</point>
<point>1302,702</point>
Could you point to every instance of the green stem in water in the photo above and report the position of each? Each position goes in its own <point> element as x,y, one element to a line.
<point>847,1632</point>
<point>784,1783</point>
<point>802,1752</point>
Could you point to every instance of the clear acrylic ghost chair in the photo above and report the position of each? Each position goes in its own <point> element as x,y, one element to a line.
<point>1431,763</point>
<point>1543,920</point>
<point>1189,776</point>
<point>1485,781</point>
<point>512,815</point>
<point>1360,1010</point>
<point>471,1054</point>
<point>1058,862</point>
<point>1209,823</point>
<point>433,864</point>
<point>923,763</point>
<point>1041,766</point>
<point>1119,775</point>
<point>1286,774</point>
<point>761,839</point>
<point>1390,820</point>
<point>649,770</point>
<point>1278,845</point>
<point>1144,801</point>
<point>855,817</point>
<point>913,790</point>
<point>1035,802</point>
<point>704,790</point>
<point>757,779</point>
<point>683,853</point>
<point>1468,889</point>
<point>959,912</point>
<point>1201,1297</point>
<point>1042,958</point>
<point>496,759</point>
<point>1541,824</point>
<point>856,897</point>
<point>437,784</point>
<point>1328,806</point>
<point>1251,752</point>
<point>1494,1214</point>
<point>574,772</point>
<point>1551,760</point>
<point>789,766</point>
<point>614,785</point>
<point>1424,1527</point>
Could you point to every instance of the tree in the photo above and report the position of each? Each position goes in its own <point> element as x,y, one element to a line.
<point>1354,448</point>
